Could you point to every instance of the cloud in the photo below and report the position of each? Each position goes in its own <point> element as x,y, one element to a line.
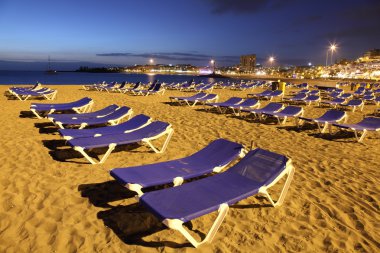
<point>176,56</point>
<point>246,6</point>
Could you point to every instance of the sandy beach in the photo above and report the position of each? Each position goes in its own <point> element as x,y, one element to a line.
<point>53,200</point>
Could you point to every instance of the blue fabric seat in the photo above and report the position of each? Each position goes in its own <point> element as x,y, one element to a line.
<point>97,114</point>
<point>145,135</point>
<point>80,106</point>
<point>223,106</point>
<point>254,174</point>
<point>134,123</point>
<point>212,158</point>
<point>112,118</point>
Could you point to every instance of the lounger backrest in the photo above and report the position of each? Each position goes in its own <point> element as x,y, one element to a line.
<point>276,93</point>
<point>292,109</point>
<point>300,96</point>
<point>272,107</point>
<point>219,152</point>
<point>370,122</point>
<point>355,102</point>
<point>313,98</point>
<point>136,85</point>
<point>333,115</point>
<point>338,100</point>
<point>117,113</point>
<point>151,87</point>
<point>233,100</point>
<point>157,87</point>
<point>209,96</point>
<point>260,166</point>
<point>249,102</point>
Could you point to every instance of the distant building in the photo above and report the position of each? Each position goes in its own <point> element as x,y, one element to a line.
<point>248,62</point>
<point>371,55</point>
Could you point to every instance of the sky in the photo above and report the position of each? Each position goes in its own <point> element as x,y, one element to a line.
<point>124,32</point>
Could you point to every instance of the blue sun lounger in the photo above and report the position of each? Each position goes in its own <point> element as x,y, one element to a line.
<point>180,99</point>
<point>80,106</point>
<point>145,135</point>
<point>23,95</point>
<point>213,158</point>
<point>249,103</point>
<point>157,89</point>
<point>364,126</point>
<point>327,119</point>
<point>254,174</point>
<point>334,103</point>
<point>97,114</point>
<point>223,106</point>
<point>269,108</point>
<point>258,95</point>
<point>134,123</point>
<point>273,94</point>
<point>112,119</point>
<point>354,103</point>
<point>287,112</point>
<point>300,97</point>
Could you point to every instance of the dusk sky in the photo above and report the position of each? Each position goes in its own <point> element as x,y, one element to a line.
<point>120,32</point>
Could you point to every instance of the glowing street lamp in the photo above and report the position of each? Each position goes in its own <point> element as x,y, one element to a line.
<point>333,47</point>
<point>151,61</point>
<point>213,65</point>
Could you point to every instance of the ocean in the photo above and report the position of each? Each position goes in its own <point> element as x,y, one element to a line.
<point>31,77</point>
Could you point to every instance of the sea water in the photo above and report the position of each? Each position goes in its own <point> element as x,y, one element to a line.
<point>31,77</point>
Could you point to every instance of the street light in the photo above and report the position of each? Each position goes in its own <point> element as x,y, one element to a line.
<point>213,66</point>
<point>333,47</point>
<point>151,61</point>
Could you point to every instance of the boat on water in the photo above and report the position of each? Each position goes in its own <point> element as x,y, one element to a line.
<point>50,70</point>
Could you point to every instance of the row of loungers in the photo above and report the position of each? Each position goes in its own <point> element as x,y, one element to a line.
<point>136,89</point>
<point>330,118</point>
<point>255,173</point>
<point>140,128</point>
<point>36,91</point>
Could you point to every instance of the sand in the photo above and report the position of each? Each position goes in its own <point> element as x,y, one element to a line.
<point>53,200</point>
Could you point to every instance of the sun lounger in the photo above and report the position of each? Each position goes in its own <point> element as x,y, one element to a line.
<point>247,104</point>
<point>334,103</point>
<point>261,94</point>
<point>202,98</point>
<point>287,112</point>
<point>364,126</point>
<point>354,103</point>
<point>113,118</point>
<point>98,114</point>
<point>330,117</point>
<point>23,95</point>
<point>213,158</point>
<point>134,123</point>
<point>300,97</point>
<point>273,94</point>
<point>134,88</point>
<point>223,106</point>
<point>157,89</point>
<point>80,106</point>
<point>269,108</point>
<point>146,134</point>
<point>254,174</point>
<point>179,99</point>
<point>312,99</point>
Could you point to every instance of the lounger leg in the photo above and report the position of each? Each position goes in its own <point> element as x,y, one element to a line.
<point>111,147</point>
<point>178,225</point>
<point>361,137</point>
<point>35,113</point>
<point>263,190</point>
<point>170,133</point>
